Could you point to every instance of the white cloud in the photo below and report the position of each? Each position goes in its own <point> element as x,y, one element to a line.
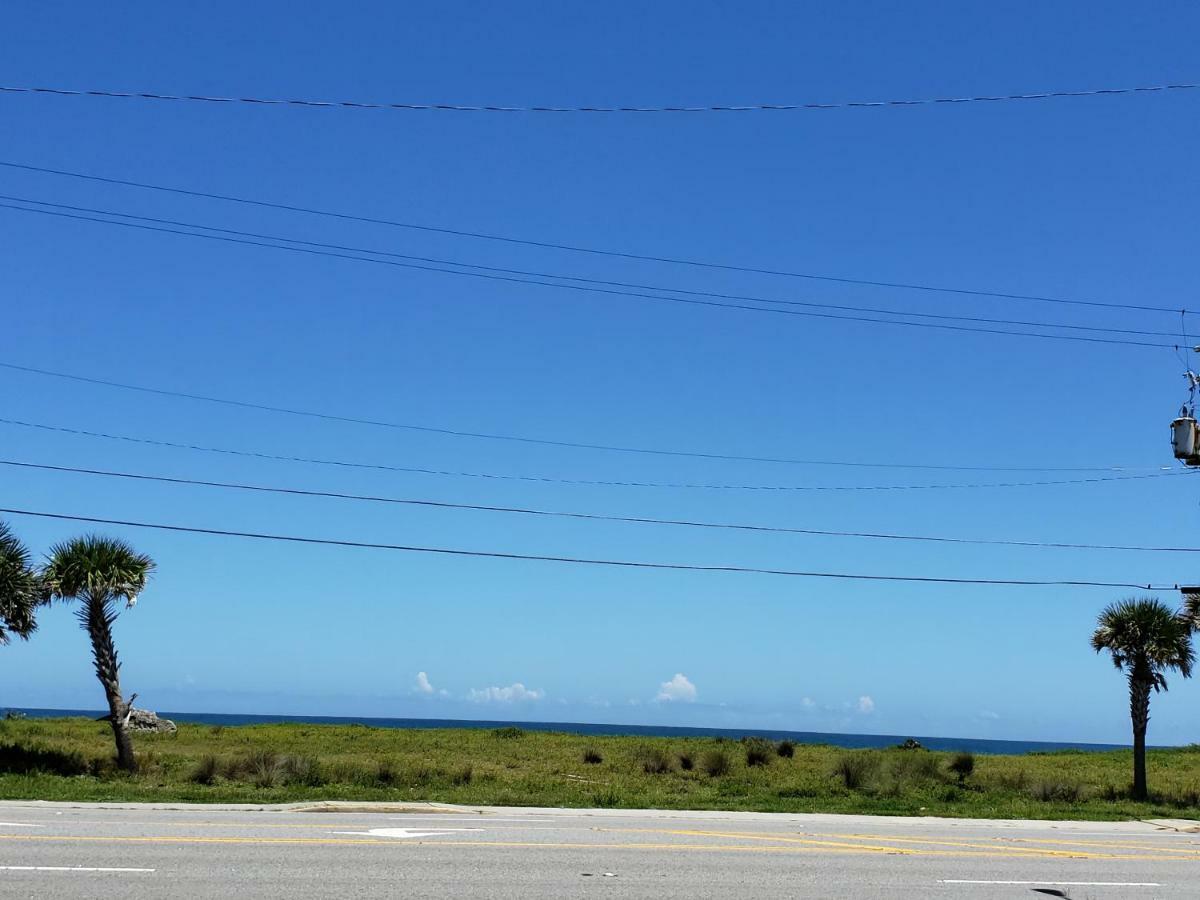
<point>866,705</point>
<point>808,703</point>
<point>514,693</point>
<point>423,685</point>
<point>677,689</point>
<point>989,715</point>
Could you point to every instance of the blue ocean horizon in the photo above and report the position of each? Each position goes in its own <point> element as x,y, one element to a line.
<point>848,741</point>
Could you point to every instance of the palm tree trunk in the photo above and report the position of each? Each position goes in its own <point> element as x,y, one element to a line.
<point>1139,712</point>
<point>98,621</point>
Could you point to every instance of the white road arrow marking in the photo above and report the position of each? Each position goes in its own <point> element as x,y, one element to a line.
<point>405,832</point>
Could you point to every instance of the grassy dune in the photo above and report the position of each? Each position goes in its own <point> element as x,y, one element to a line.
<point>71,759</point>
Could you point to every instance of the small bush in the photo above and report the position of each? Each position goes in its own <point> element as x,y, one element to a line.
<point>854,770</point>
<point>1056,792</point>
<point>962,765</point>
<point>1186,798</point>
<point>385,774</point>
<point>908,768</point>
<point>606,799</point>
<point>303,770</point>
<point>462,775</point>
<point>508,732</point>
<point>592,756</point>
<point>1014,781</point>
<point>206,770</point>
<point>758,751</point>
<point>786,749</point>
<point>686,761</point>
<point>716,763</point>
<point>265,769</point>
<point>655,762</point>
<point>31,760</point>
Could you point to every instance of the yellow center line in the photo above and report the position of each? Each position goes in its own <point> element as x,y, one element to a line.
<point>974,850</point>
<point>943,842</point>
<point>786,846</point>
<point>1007,840</point>
<point>1194,849</point>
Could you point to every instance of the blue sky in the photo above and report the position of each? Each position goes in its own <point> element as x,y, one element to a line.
<point>1088,198</point>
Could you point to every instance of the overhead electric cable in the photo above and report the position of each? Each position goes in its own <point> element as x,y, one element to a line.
<point>652,451</point>
<point>610,283</point>
<point>458,107</point>
<point>576,560</point>
<point>589,289</point>
<point>639,520</point>
<point>578,249</point>
<point>545,479</point>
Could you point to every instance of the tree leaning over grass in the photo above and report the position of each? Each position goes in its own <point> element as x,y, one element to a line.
<point>20,588</point>
<point>99,572</point>
<point>1147,639</point>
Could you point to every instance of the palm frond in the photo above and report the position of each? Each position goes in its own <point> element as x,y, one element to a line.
<point>20,587</point>
<point>96,566</point>
<point>1146,638</point>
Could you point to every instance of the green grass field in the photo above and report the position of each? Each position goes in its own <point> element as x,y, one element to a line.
<point>71,759</point>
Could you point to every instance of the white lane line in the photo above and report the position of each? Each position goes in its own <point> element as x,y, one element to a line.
<point>66,869</point>
<point>1058,883</point>
<point>405,832</point>
<point>18,825</point>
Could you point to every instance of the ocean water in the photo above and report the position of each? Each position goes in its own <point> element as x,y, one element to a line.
<point>852,741</point>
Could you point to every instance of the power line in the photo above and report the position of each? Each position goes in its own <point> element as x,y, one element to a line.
<point>593,290</point>
<point>639,520</point>
<point>607,282</point>
<point>578,249</point>
<point>544,479</point>
<point>379,423</point>
<point>455,107</point>
<point>489,554</point>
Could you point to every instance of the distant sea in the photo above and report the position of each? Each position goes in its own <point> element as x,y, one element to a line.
<point>853,741</point>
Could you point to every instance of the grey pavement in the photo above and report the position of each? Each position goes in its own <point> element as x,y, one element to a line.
<point>50,850</point>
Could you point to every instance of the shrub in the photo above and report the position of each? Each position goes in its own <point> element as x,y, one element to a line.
<point>29,760</point>
<point>508,732</point>
<point>758,751</point>
<point>915,767</point>
<point>265,768</point>
<point>1014,781</point>
<point>206,770</point>
<point>715,763</point>
<point>462,775</point>
<point>606,799</point>
<point>910,744</point>
<point>592,756</point>
<point>655,762</point>
<point>1056,792</point>
<point>686,762</point>
<point>962,765</point>
<point>854,770</point>
<point>303,770</point>
<point>385,774</point>
<point>786,749</point>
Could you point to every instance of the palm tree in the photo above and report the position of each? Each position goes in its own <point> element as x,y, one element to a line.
<point>1191,609</point>
<point>99,572</point>
<point>20,588</point>
<point>1147,639</point>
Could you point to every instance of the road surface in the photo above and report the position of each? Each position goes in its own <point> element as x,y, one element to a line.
<point>414,851</point>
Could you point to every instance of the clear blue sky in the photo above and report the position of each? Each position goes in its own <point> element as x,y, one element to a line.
<point>1091,198</point>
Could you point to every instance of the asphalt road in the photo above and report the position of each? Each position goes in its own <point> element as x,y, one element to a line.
<point>128,851</point>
